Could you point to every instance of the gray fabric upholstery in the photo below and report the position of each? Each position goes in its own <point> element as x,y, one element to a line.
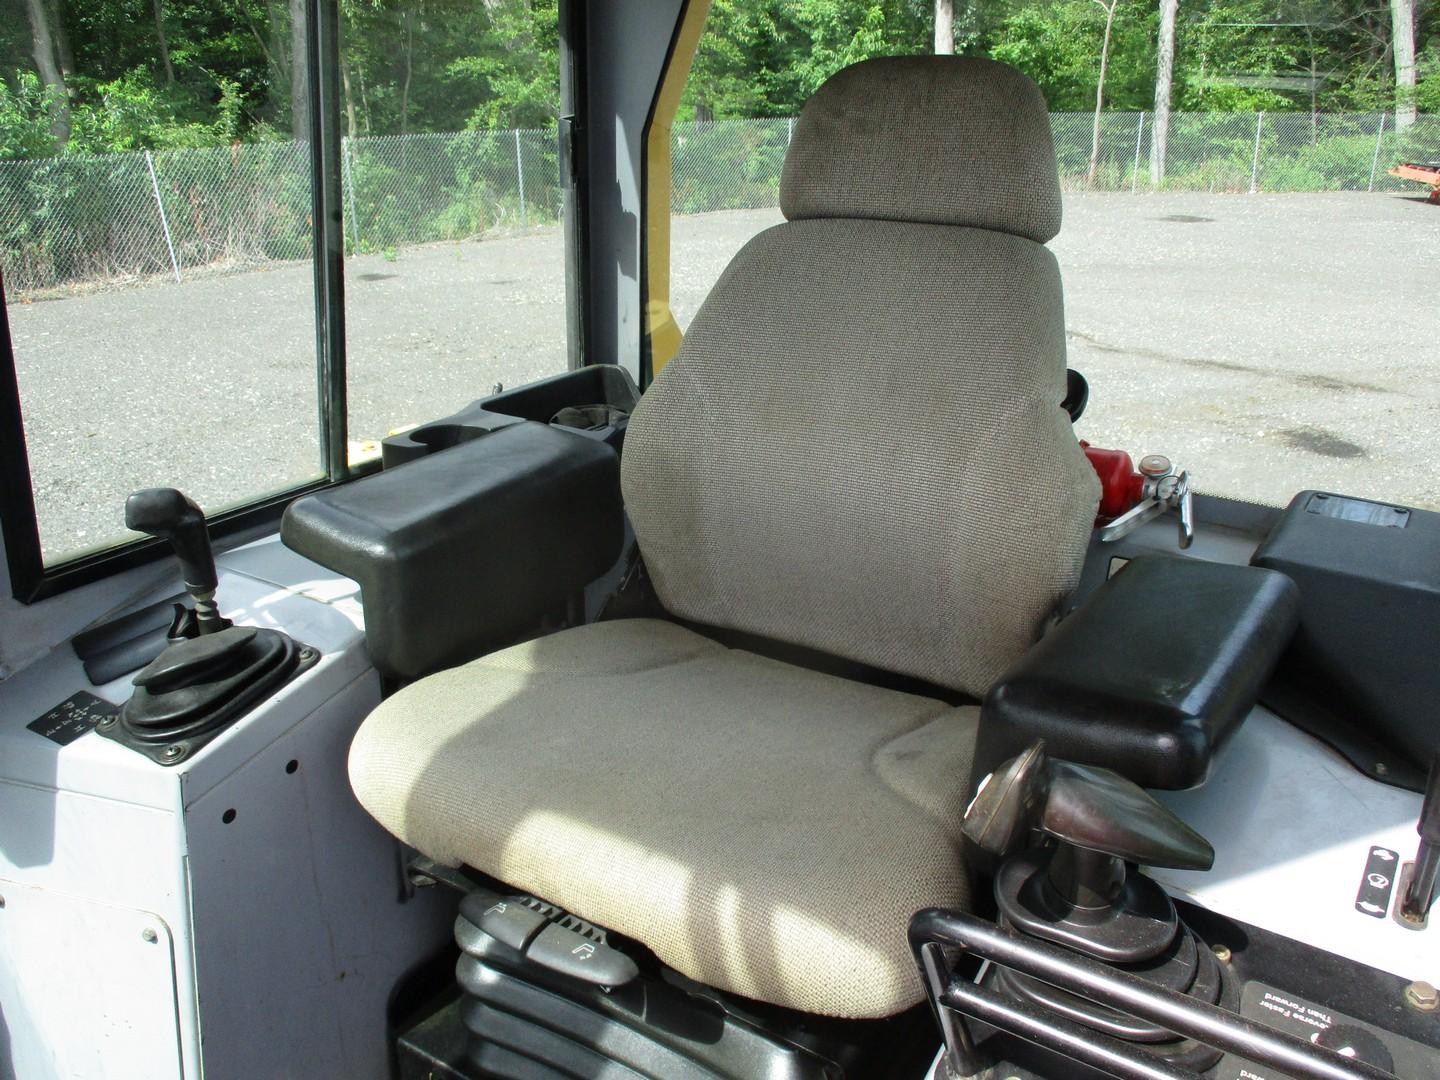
<point>763,828</point>
<point>941,139</point>
<point>860,448</point>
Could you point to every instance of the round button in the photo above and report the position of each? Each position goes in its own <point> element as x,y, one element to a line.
<point>1355,1043</point>
<point>1155,465</point>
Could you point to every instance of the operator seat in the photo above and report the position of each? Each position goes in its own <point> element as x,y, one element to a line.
<point>860,450</point>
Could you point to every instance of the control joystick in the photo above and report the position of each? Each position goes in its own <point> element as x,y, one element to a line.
<point>173,516</point>
<point>1070,837</point>
<point>212,672</point>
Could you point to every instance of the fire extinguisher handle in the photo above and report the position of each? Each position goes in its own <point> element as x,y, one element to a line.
<point>1186,506</point>
<point>1170,491</point>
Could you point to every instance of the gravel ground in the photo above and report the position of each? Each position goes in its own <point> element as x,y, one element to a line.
<point>1267,343</point>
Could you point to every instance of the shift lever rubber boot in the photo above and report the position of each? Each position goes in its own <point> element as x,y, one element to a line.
<point>196,688</point>
<point>1079,889</point>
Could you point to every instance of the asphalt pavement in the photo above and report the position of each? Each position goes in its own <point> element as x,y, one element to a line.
<point>1267,343</point>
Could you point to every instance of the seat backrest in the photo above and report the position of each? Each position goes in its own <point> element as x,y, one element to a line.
<point>860,446</point>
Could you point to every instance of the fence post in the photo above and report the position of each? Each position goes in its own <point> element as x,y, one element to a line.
<point>790,131</point>
<point>349,168</point>
<point>520,175</point>
<point>164,221</point>
<point>1135,172</point>
<point>1255,161</point>
<point>1375,161</point>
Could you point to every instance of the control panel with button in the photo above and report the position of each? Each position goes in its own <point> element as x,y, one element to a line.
<point>548,936</point>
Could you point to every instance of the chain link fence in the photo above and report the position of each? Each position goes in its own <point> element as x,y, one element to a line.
<point>116,218</point>
<point>110,219</point>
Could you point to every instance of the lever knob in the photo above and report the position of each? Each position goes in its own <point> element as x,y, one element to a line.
<point>171,515</point>
<point>1083,806</point>
<point>1100,810</point>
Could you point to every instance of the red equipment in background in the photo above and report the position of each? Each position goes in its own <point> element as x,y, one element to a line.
<point>1131,495</point>
<point>1121,487</point>
<point>1422,172</point>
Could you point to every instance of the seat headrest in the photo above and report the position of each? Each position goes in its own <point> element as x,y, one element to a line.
<point>943,140</point>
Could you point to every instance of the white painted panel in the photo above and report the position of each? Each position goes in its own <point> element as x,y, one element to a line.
<point>1292,823</point>
<point>300,929</point>
<point>86,989</point>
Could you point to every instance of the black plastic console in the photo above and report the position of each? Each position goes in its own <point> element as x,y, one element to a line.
<point>1361,672</point>
<point>463,552</point>
<point>594,401</point>
<point>1150,676</point>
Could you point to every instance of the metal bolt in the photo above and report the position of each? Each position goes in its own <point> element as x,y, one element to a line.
<point>171,752</point>
<point>2,901</point>
<point>1381,768</point>
<point>1422,997</point>
<point>150,935</point>
<point>1222,953</point>
<point>307,653</point>
<point>109,721</point>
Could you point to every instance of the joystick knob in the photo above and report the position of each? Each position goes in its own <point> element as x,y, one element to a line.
<point>171,515</point>
<point>1077,889</point>
<point>1083,806</point>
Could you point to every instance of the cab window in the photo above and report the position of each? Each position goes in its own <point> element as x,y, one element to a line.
<point>1246,283</point>
<point>158,241</point>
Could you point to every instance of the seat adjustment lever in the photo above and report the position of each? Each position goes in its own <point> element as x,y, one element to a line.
<point>549,937</point>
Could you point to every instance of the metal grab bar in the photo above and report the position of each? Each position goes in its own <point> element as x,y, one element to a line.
<point>1216,1027</point>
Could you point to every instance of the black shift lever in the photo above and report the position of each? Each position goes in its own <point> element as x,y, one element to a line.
<point>1077,889</point>
<point>1083,806</point>
<point>171,515</point>
<point>1415,905</point>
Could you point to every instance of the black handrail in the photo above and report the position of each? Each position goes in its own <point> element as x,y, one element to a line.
<point>1187,1017</point>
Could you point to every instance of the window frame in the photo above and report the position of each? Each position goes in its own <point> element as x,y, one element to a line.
<point>31,580</point>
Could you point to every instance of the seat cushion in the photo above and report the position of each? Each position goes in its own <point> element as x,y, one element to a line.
<point>861,449</point>
<point>765,829</point>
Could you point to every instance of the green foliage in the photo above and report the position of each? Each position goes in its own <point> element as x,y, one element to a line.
<point>210,92</point>
<point>765,57</point>
<point>24,119</point>
<point>132,113</point>
<point>727,166</point>
<point>448,65</point>
<point>1058,45</point>
<point>1427,87</point>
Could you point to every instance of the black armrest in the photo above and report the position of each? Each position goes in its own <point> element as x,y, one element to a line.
<point>464,551</point>
<point>1151,676</point>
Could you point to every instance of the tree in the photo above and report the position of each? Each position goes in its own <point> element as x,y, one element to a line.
<point>1402,17</point>
<point>299,73</point>
<point>57,94</point>
<point>944,27</point>
<point>163,42</point>
<point>1164,74</point>
<point>1109,10</point>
